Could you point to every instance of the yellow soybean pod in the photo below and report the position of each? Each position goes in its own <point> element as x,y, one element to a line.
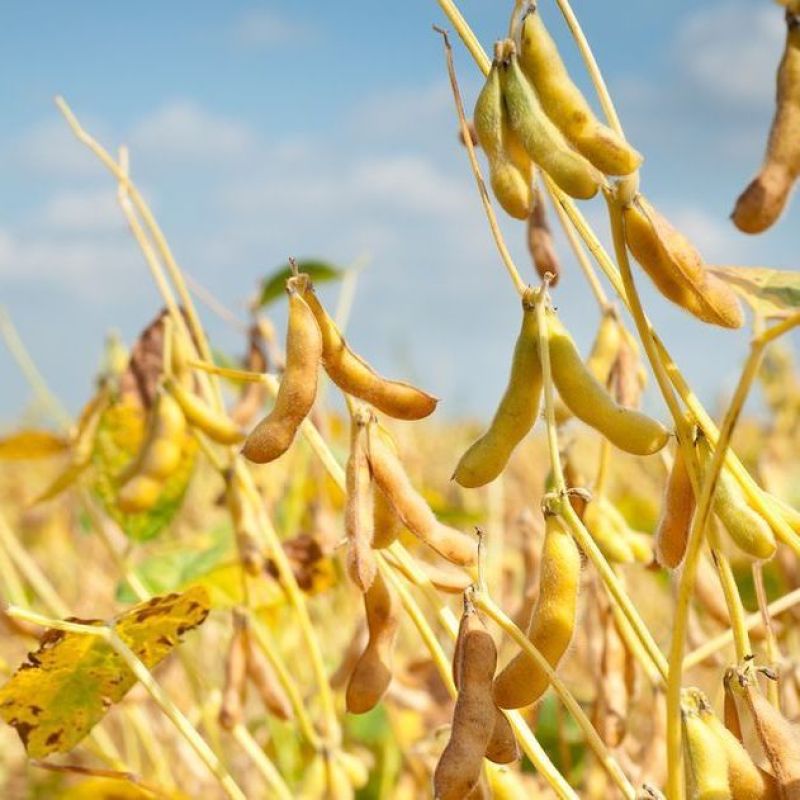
<point>706,761</point>
<point>509,165</point>
<point>676,267</point>
<point>515,416</point>
<point>522,682</point>
<point>565,104</point>
<point>539,136</point>
<point>626,428</point>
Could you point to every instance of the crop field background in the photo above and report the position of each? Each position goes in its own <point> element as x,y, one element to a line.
<point>400,402</point>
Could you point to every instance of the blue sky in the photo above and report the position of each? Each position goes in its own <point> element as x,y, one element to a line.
<point>262,130</point>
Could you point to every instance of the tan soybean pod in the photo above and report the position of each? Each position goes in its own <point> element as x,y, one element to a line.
<point>706,760</point>
<point>502,747</point>
<point>780,740</point>
<point>538,135</point>
<point>233,692</point>
<point>411,507</point>
<point>272,436</point>
<point>587,399</point>
<point>459,768</point>
<point>749,531</point>
<point>540,241</point>
<point>515,416</point>
<point>355,377</point>
<point>745,779</point>
<point>219,427</point>
<point>372,673</point>
<point>358,519</point>
<point>263,677</point>
<point>245,525</point>
<point>613,542</point>
<point>552,623</point>
<point>677,268</point>
<point>677,510</point>
<point>566,106</point>
<point>510,183</point>
<point>762,202</point>
<point>386,522</point>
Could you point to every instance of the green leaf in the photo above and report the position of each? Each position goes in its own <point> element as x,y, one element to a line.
<point>769,292</point>
<point>319,271</point>
<point>67,686</point>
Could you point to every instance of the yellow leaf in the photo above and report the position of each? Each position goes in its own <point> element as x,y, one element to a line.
<point>32,444</point>
<point>66,687</point>
<point>119,436</point>
<point>769,292</point>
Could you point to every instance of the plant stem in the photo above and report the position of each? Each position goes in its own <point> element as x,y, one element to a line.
<point>751,621</point>
<point>508,261</point>
<point>262,763</point>
<point>31,372</point>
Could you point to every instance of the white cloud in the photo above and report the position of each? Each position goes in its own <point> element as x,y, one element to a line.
<point>49,147</point>
<point>731,50</point>
<point>184,131</point>
<point>261,27</point>
<point>88,210</point>
<point>87,266</point>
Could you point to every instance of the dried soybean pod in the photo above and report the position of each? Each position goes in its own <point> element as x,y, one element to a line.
<point>706,761</point>
<point>233,692</point>
<point>372,673</point>
<point>749,531</point>
<point>215,425</point>
<point>522,682</point>
<point>245,525</point>
<point>386,523</point>
<point>677,268</point>
<point>459,768</point>
<point>745,779</point>
<point>361,564</point>
<point>275,433</point>
<point>540,241</point>
<point>355,377</point>
<point>613,690</point>
<point>262,676</point>
<point>605,347</point>
<point>626,428</point>
<point>487,457</point>
<point>780,741</point>
<point>566,106</point>
<point>414,512</point>
<point>677,510</point>
<point>510,184</point>
<point>502,747</point>
<point>762,202</point>
<point>539,136</point>
<point>730,711</point>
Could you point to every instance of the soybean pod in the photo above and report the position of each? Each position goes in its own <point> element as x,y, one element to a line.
<point>552,623</point>
<point>515,416</point>
<point>566,106</point>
